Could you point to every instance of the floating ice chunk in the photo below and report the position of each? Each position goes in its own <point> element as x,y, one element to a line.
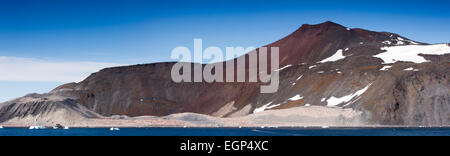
<point>296,98</point>
<point>337,56</point>
<point>325,126</point>
<point>385,68</point>
<point>410,53</point>
<point>1,127</point>
<point>114,129</point>
<point>66,127</point>
<point>334,101</point>
<point>36,127</point>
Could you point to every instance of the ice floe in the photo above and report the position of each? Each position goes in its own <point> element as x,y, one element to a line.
<point>114,129</point>
<point>36,127</point>
<point>410,53</point>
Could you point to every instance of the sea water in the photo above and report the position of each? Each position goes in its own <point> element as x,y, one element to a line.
<point>228,132</point>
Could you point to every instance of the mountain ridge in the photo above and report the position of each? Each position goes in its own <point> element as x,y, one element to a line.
<point>350,78</point>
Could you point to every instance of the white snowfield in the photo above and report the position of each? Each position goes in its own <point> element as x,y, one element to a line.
<point>410,53</point>
<point>337,56</point>
<point>334,101</point>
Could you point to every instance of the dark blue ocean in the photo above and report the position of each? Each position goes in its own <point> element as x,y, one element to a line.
<point>228,132</point>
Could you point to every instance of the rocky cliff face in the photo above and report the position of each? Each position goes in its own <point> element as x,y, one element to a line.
<point>326,65</point>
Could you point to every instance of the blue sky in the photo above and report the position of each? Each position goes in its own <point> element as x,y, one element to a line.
<point>97,34</point>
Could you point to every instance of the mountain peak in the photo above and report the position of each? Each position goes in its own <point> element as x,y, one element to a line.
<point>323,26</point>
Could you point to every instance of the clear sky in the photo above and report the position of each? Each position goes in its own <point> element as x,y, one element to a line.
<point>45,43</point>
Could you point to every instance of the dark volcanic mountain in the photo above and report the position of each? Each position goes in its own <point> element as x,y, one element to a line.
<point>392,80</point>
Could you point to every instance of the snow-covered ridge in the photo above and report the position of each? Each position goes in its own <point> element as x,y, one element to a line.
<point>410,53</point>
<point>398,41</point>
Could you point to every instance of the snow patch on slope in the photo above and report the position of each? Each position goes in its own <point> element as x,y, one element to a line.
<point>385,68</point>
<point>287,66</point>
<point>265,107</point>
<point>334,101</point>
<point>313,66</point>
<point>337,56</point>
<point>296,98</point>
<point>410,53</point>
<point>410,69</point>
